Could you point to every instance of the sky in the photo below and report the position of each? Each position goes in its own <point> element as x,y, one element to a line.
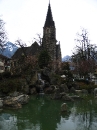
<point>25,19</point>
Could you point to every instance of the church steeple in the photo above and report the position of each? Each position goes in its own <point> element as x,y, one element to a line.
<point>49,18</point>
<point>49,38</point>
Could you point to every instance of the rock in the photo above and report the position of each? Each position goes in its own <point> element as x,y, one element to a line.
<point>78,91</point>
<point>63,93</point>
<point>57,90</point>
<point>15,102</point>
<point>23,99</point>
<point>57,94</point>
<point>95,97</point>
<point>11,103</point>
<point>48,90</point>
<point>67,98</point>
<point>33,91</point>
<point>95,92</point>
<point>26,89</point>
<point>1,110</point>
<point>64,107</point>
<point>72,90</point>
<point>1,103</point>
<point>64,88</point>
<point>75,97</point>
<point>84,91</point>
<point>14,94</point>
<point>53,87</point>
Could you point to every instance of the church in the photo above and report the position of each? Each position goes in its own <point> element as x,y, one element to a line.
<point>49,42</point>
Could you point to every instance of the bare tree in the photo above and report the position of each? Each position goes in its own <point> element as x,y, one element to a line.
<point>39,39</point>
<point>84,55</point>
<point>22,45</point>
<point>3,35</point>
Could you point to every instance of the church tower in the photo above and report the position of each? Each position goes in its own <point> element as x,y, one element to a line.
<point>49,38</point>
<point>49,34</point>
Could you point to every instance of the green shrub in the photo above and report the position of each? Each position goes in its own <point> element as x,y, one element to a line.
<point>88,87</point>
<point>10,85</point>
<point>44,59</point>
<point>57,79</point>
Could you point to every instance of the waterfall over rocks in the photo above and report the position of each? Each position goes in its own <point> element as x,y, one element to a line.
<point>41,83</point>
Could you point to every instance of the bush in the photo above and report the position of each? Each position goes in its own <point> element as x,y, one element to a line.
<point>44,59</point>
<point>82,80</point>
<point>11,85</point>
<point>56,79</point>
<point>89,87</point>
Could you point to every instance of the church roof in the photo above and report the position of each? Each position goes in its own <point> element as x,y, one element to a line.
<point>30,51</point>
<point>49,18</point>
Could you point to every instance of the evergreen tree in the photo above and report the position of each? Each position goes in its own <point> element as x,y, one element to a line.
<point>43,59</point>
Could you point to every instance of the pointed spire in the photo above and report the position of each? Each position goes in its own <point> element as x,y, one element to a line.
<point>49,1</point>
<point>49,19</point>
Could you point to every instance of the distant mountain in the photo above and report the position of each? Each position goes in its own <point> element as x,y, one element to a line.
<point>9,49</point>
<point>66,58</point>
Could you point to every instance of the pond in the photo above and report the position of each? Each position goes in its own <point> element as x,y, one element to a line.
<point>41,113</point>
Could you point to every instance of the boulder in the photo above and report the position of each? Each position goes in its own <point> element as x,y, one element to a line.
<point>57,94</point>
<point>14,94</point>
<point>84,91</point>
<point>53,87</point>
<point>26,89</point>
<point>33,91</point>
<point>15,102</point>
<point>64,107</point>
<point>72,90</point>
<point>78,91</point>
<point>11,103</point>
<point>75,97</point>
<point>63,94</point>
<point>67,98</point>
<point>95,97</point>
<point>64,88</point>
<point>23,99</point>
<point>1,103</point>
<point>48,90</point>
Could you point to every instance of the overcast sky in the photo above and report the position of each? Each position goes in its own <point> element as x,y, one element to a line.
<point>25,18</point>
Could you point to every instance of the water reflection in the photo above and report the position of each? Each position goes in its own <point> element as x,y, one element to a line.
<point>44,114</point>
